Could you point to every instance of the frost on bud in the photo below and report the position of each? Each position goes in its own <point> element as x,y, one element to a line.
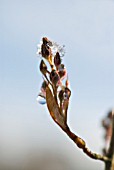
<point>57,48</point>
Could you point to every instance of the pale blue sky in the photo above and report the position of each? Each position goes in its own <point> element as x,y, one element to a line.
<point>86,28</point>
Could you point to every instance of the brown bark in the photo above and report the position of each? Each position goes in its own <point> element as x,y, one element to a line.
<point>110,154</point>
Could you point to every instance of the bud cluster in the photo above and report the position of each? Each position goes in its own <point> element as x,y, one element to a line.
<point>54,74</point>
<point>55,93</point>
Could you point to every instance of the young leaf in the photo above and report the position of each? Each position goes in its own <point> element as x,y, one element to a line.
<point>54,109</point>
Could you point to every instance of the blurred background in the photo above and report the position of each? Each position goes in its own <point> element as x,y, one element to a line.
<point>29,139</point>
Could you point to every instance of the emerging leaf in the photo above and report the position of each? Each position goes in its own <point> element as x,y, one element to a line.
<point>54,109</point>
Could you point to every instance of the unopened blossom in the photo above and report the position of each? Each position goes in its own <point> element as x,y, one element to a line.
<point>57,60</point>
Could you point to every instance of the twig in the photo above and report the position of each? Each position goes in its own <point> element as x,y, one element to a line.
<point>56,115</point>
<point>110,154</point>
<point>57,103</point>
<point>82,145</point>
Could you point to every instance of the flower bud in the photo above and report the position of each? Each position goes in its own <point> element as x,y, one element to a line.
<point>64,94</point>
<point>57,59</point>
<point>46,41</point>
<point>67,93</point>
<point>43,67</point>
<point>45,51</point>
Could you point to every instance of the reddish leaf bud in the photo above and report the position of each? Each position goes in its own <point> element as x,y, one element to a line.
<point>57,60</point>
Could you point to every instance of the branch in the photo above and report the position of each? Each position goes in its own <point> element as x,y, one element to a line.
<point>56,115</point>
<point>57,94</point>
<point>110,154</point>
<point>82,145</point>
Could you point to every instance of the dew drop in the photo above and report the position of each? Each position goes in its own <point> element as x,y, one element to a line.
<point>41,100</point>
